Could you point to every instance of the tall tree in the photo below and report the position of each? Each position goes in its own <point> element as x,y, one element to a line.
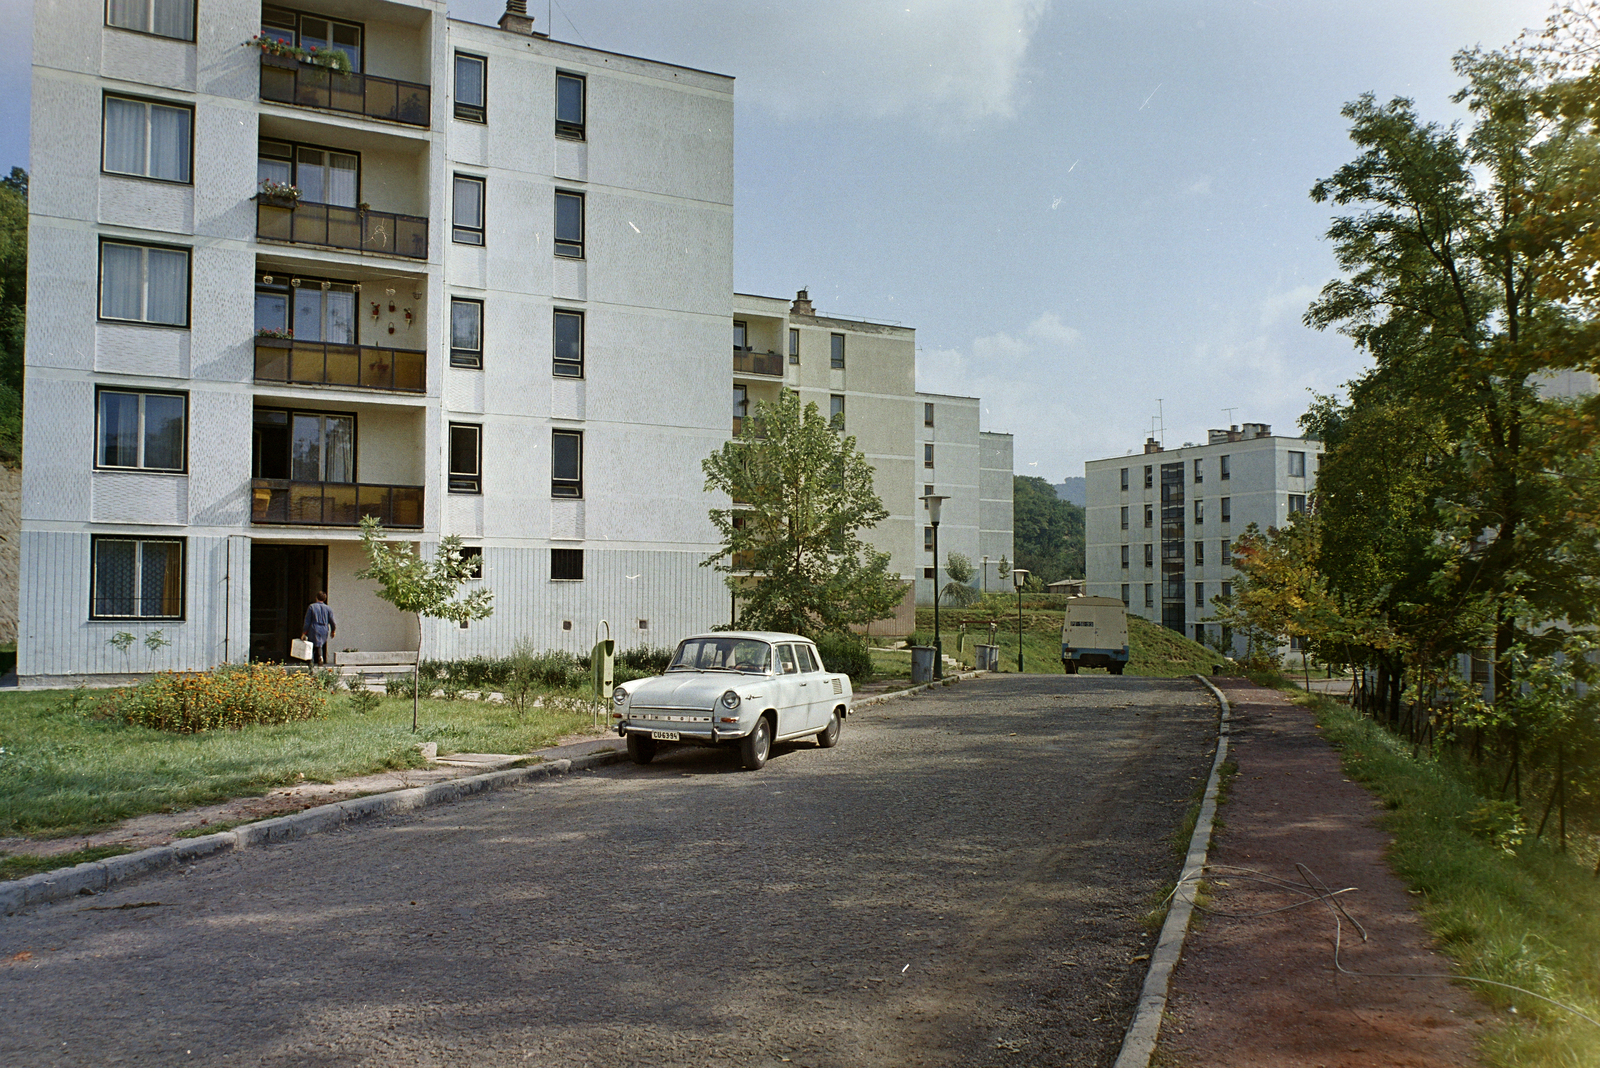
<point>792,549</point>
<point>13,309</point>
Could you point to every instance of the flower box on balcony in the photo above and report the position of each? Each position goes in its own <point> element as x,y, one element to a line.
<point>270,342</point>
<point>277,59</point>
<point>278,200</point>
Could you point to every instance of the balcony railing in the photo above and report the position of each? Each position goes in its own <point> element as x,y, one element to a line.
<point>333,226</point>
<point>746,362</point>
<point>334,504</point>
<point>310,85</point>
<point>356,366</point>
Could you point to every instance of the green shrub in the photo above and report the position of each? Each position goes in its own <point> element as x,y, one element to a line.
<point>645,660</point>
<point>231,696</point>
<point>364,701</point>
<point>847,653</point>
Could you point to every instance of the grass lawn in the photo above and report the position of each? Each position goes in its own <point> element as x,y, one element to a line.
<point>1518,913</point>
<point>1154,651</point>
<point>62,771</point>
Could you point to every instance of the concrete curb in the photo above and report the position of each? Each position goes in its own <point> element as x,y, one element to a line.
<point>1139,1043</point>
<point>97,876</point>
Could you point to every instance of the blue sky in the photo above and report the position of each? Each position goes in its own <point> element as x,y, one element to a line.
<point>1090,210</point>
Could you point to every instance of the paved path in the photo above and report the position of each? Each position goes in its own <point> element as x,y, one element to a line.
<point>960,882</point>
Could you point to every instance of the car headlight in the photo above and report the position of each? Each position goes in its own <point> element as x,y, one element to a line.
<point>730,700</point>
<point>619,696</point>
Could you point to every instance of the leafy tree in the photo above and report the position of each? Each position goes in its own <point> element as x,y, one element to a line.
<point>792,549</point>
<point>421,587</point>
<point>959,591</point>
<point>13,309</point>
<point>1047,532</point>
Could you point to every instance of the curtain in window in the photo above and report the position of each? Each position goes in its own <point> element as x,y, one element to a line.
<point>114,565</point>
<point>121,282</point>
<point>125,130</point>
<point>469,81</point>
<point>169,143</point>
<point>464,326</point>
<point>168,300</point>
<point>173,18</point>
<point>339,448</point>
<point>163,431</point>
<point>158,579</point>
<point>129,14</point>
<point>468,206</point>
<point>119,429</point>
<point>341,317</point>
<point>308,314</point>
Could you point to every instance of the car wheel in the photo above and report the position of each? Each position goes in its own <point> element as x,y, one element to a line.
<point>756,745</point>
<point>1116,669</point>
<point>641,750</point>
<point>1070,667</point>
<point>830,736</point>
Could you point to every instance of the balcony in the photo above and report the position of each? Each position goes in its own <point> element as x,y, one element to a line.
<point>285,80</point>
<point>316,363</point>
<point>334,504</point>
<point>746,362</point>
<point>332,226</point>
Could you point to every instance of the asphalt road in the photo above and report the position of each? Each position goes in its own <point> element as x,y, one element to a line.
<point>962,881</point>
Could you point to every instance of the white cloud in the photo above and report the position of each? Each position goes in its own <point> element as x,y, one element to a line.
<point>1050,330</point>
<point>1288,306</point>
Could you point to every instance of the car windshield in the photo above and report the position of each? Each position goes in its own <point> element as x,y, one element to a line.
<point>723,654</point>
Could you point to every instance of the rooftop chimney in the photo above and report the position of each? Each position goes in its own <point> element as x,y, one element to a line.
<point>1151,445</point>
<point>516,19</point>
<point>802,304</point>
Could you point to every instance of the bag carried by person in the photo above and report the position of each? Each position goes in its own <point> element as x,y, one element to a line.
<point>300,649</point>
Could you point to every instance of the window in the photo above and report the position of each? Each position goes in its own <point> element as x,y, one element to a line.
<point>1149,516</point>
<point>741,336</point>
<point>569,225</point>
<point>927,414</point>
<point>468,211</point>
<point>466,458</point>
<point>302,446</point>
<point>472,79</point>
<point>147,140</point>
<point>309,309</point>
<point>566,565</point>
<point>472,556</point>
<point>140,430</point>
<point>136,578</point>
<point>1149,554</point>
<point>927,573</point>
<point>1124,557</point>
<point>1149,477</point>
<point>164,18</point>
<point>1199,475</point>
<point>144,284</point>
<point>322,175</point>
<point>927,539</point>
<point>566,463</point>
<point>927,455</point>
<point>1149,595</point>
<point>313,31</point>
<point>569,106</point>
<point>1227,509</point>
<point>1124,594</point>
<point>1227,553</point>
<point>1199,553</point>
<point>836,353</point>
<point>1222,468</point>
<point>927,491</point>
<point>1124,517</point>
<point>1297,503</point>
<point>567,344</point>
<point>1227,590</point>
<point>741,408</point>
<point>1297,465</point>
<point>1199,594</point>
<point>466,332</point>
<point>1200,632</point>
<point>1124,479</point>
<point>1199,512</point>
<point>836,410</point>
<point>794,346</point>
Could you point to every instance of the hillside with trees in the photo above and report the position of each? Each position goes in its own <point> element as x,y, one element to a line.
<point>1047,531</point>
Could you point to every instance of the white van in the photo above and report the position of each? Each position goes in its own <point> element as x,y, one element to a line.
<point>1094,634</point>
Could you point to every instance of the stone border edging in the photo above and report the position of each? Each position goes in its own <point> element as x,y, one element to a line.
<point>946,681</point>
<point>95,876</point>
<point>1139,1042</point>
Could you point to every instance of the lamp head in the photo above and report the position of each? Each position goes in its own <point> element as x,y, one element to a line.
<point>934,501</point>
<point>1019,576</point>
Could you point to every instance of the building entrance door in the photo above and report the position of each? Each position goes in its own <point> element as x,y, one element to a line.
<point>283,581</point>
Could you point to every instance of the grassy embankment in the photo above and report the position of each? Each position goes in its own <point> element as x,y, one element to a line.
<point>1504,906</point>
<point>64,771</point>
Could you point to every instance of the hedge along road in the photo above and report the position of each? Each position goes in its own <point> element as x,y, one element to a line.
<point>961,881</point>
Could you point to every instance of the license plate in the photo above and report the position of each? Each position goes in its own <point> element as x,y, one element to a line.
<point>664,736</point>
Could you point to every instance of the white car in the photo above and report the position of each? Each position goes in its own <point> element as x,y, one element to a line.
<point>745,688</point>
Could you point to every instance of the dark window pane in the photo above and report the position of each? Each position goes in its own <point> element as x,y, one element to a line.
<point>464,450</point>
<point>568,344</point>
<point>163,432</point>
<point>569,102</point>
<point>114,574</point>
<point>466,325</point>
<point>569,224</point>
<point>566,451</point>
<point>119,429</point>
<point>566,563</point>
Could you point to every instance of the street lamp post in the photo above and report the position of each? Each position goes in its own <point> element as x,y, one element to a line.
<point>1019,576</point>
<point>935,501</point>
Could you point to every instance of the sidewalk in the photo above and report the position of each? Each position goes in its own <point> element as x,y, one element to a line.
<point>1261,991</point>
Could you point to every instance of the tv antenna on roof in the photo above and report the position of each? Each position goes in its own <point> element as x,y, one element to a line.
<point>1230,412</point>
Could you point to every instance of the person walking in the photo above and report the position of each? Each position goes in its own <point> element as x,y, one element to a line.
<point>319,627</point>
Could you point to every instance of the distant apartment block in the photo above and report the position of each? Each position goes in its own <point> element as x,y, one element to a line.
<point>1160,525</point>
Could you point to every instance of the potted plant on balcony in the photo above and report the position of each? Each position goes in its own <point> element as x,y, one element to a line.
<point>277,339</point>
<point>331,58</point>
<point>278,194</point>
<point>276,53</point>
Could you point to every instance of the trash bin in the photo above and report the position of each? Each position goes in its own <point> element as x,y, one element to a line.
<point>988,657</point>
<point>921,663</point>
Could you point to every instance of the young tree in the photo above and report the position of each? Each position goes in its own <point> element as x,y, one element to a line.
<point>421,587</point>
<point>791,541</point>
<point>958,591</point>
<point>13,309</point>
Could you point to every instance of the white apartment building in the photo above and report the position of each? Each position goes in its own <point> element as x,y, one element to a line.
<point>972,468</point>
<point>291,267</point>
<point>1160,525</point>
